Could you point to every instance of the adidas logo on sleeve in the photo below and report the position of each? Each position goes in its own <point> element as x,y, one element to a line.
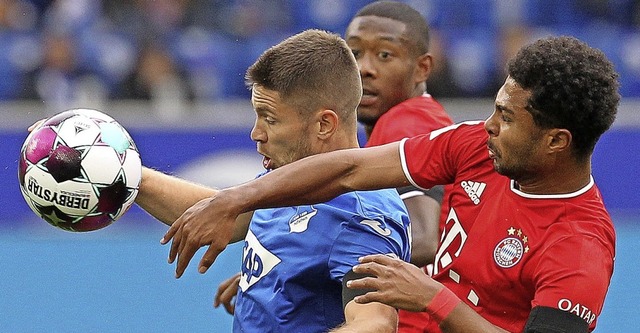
<point>473,189</point>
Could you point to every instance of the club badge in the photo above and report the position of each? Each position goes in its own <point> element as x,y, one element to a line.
<point>510,250</point>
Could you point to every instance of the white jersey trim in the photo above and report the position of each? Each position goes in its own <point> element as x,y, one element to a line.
<point>411,194</point>
<point>405,168</point>
<point>552,196</point>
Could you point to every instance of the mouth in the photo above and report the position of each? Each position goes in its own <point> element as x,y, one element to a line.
<point>491,150</point>
<point>266,160</point>
<point>369,97</point>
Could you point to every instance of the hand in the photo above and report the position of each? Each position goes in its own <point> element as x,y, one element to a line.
<point>208,222</point>
<point>226,293</point>
<point>396,283</point>
<point>36,125</point>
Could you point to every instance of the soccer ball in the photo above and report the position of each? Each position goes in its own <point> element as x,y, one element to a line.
<point>79,170</point>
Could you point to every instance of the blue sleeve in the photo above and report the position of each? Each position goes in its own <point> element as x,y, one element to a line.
<point>364,236</point>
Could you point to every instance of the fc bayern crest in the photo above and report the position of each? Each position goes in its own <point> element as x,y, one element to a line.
<point>508,252</point>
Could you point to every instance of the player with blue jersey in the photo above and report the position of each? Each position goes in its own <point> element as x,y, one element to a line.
<point>296,260</point>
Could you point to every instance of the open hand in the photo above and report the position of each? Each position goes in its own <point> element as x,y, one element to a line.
<point>207,223</point>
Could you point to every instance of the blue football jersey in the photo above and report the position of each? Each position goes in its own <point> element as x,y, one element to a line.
<point>294,259</point>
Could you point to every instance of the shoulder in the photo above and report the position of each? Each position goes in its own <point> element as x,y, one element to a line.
<point>412,117</point>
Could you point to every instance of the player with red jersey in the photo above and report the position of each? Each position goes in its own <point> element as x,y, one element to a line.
<point>553,251</point>
<point>383,37</point>
<point>390,41</point>
<point>528,245</point>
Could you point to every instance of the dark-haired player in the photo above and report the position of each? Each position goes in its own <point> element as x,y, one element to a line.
<point>390,41</point>
<point>528,245</point>
<point>295,260</point>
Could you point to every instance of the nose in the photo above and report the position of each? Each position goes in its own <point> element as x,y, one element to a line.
<point>366,66</point>
<point>491,124</point>
<point>257,134</point>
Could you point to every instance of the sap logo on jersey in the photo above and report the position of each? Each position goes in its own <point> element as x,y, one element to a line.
<point>257,261</point>
<point>577,309</point>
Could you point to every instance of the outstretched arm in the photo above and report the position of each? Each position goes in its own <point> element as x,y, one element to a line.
<point>313,179</point>
<point>166,197</point>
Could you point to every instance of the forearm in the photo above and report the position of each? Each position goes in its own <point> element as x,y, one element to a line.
<point>322,177</point>
<point>424,213</point>
<point>364,318</point>
<point>166,197</point>
<point>464,319</point>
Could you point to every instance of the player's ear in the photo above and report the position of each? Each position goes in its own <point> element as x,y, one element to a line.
<point>327,123</point>
<point>559,139</point>
<point>423,69</point>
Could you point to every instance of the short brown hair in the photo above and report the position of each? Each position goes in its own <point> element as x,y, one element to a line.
<point>311,70</point>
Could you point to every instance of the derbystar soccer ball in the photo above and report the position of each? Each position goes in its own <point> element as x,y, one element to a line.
<point>79,170</point>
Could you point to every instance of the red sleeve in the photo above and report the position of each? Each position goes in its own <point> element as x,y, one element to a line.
<point>573,275</point>
<point>435,158</point>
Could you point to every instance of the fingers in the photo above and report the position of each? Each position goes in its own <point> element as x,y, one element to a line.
<point>175,244</point>
<point>170,233</point>
<point>184,256</point>
<point>36,125</point>
<point>226,293</point>
<point>208,258</point>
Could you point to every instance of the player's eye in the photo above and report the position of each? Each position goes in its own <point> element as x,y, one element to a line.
<point>384,55</point>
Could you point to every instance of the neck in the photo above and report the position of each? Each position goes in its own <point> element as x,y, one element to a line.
<point>559,180</point>
<point>339,141</point>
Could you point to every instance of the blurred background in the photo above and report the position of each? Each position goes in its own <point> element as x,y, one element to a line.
<point>171,71</point>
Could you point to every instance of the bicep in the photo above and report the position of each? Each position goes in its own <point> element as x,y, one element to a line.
<point>379,164</point>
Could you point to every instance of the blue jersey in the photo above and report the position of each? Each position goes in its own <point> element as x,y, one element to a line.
<point>294,259</point>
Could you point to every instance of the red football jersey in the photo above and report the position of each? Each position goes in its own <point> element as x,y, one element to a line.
<point>418,115</point>
<point>503,251</point>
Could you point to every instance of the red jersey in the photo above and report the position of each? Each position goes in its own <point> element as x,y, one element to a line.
<point>503,251</point>
<point>418,115</point>
<point>414,116</point>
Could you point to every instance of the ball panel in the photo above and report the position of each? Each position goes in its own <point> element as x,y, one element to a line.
<point>132,167</point>
<point>60,117</point>
<point>88,223</point>
<point>127,204</point>
<point>95,114</point>
<point>64,163</point>
<point>39,144</point>
<point>78,131</point>
<point>22,169</point>
<point>112,197</point>
<point>112,134</point>
<point>101,164</point>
